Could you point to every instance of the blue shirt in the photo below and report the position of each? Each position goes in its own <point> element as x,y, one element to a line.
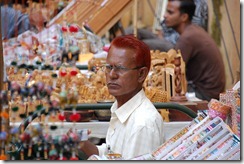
<point>13,22</point>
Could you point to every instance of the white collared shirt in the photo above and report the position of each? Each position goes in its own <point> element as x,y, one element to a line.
<point>136,128</point>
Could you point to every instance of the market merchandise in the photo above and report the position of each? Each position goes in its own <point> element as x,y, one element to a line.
<point>203,139</point>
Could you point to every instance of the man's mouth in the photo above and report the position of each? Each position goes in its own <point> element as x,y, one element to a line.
<point>112,85</point>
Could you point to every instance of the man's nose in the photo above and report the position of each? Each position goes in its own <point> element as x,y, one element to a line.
<point>165,15</point>
<point>113,73</point>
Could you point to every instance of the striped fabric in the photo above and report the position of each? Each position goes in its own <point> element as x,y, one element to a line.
<point>13,22</point>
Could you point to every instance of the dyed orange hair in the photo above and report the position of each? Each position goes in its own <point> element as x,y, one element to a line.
<point>143,56</point>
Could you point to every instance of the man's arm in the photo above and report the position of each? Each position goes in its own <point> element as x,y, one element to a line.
<point>88,148</point>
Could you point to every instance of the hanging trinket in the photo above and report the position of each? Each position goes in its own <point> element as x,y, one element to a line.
<point>45,151</point>
<point>73,156</point>
<point>3,156</point>
<point>14,64</point>
<point>15,89</point>
<point>39,65</point>
<point>61,156</point>
<point>75,117</point>
<point>61,117</point>
<point>30,149</point>
<point>54,77</point>
<point>22,157</point>
<point>53,154</point>
<point>63,96</point>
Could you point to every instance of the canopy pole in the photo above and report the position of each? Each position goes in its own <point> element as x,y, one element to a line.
<point>135,17</point>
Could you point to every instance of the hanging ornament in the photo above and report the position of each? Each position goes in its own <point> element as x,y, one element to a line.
<point>5,115</point>
<point>62,72</point>
<point>14,64</point>
<point>30,149</point>
<point>73,156</point>
<point>15,89</point>
<point>61,116</point>
<point>53,154</point>
<point>64,29</point>
<point>54,77</point>
<point>73,71</point>
<point>75,117</point>
<point>22,157</point>
<point>62,157</point>
<point>63,96</point>
<point>3,157</point>
<point>73,28</point>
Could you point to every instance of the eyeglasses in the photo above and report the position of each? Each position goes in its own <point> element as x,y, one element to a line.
<point>118,69</point>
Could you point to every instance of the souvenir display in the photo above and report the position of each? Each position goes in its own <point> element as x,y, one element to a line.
<point>53,89</point>
<point>204,138</point>
<point>45,93</point>
<point>35,140</point>
<point>232,98</point>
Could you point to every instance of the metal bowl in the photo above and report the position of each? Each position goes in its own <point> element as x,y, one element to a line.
<point>103,115</point>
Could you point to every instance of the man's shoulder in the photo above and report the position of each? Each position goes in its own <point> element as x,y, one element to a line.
<point>11,12</point>
<point>191,32</point>
<point>193,28</point>
<point>148,111</point>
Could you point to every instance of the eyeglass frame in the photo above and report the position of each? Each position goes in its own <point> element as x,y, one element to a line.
<point>118,69</point>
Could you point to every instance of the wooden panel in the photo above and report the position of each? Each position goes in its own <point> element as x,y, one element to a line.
<point>100,15</point>
<point>175,115</point>
<point>109,15</point>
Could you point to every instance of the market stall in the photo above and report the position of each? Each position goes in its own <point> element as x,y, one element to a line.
<point>54,82</point>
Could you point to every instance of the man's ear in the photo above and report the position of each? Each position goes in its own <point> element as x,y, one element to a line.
<point>143,74</point>
<point>185,17</point>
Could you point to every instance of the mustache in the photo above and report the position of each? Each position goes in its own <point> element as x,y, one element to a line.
<point>109,83</point>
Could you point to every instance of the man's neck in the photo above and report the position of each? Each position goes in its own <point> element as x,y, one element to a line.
<point>180,29</point>
<point>123,99</point>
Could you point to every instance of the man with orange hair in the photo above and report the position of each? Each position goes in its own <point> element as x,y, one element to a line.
<point>135,127</point>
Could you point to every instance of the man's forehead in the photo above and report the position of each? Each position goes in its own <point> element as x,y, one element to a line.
<point>174,4</point>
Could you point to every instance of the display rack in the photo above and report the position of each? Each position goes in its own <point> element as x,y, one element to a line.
<point>204,138</point>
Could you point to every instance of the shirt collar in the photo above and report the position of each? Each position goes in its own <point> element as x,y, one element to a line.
<point>129,107</point>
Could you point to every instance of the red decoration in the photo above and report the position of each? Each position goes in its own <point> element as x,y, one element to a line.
<point>74,158</point>
<point>74,117</point>
<point>61,117</point>
<point>74,137</point>
<point>73,72</point>
<point>62,158</point>
<point>3,157</point>
<point>64,29</point>
<point>5,115</point>
<point>63,73</point>
<point>24,137</point>
<point>73,28</point>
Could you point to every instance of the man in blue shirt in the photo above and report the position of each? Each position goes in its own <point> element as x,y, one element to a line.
<point>14,22</point>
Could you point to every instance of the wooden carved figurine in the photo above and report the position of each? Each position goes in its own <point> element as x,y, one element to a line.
<point>178,80</point>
